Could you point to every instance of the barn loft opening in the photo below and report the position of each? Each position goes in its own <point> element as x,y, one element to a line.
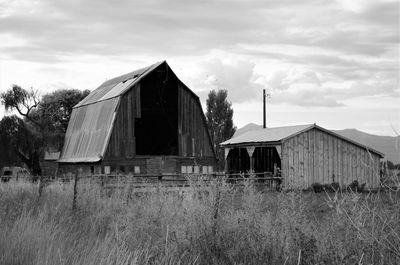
<point>156,129</point>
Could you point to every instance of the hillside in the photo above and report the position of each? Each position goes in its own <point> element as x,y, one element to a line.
<point>384,144</point>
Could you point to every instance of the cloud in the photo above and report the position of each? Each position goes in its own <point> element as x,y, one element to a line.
<point>63,28</point>
<point>310,53</point>
<point>238,77</point>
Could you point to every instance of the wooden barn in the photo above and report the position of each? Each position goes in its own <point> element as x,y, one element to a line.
<point>304,154</point>
<point>143,122</point>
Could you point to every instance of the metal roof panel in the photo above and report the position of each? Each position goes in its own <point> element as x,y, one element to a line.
<point>88,131</point>
<point>267,134</point>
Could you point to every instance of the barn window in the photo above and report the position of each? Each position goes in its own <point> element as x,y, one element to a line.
<point>189,169</point>
<point>196,169</point>
<point>137,170</point>
<point>183,170</point>
<point>210,169</point>
<point>92,169</point>
<point>107,169</point>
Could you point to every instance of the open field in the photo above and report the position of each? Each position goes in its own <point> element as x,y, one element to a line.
<point>214,223</point>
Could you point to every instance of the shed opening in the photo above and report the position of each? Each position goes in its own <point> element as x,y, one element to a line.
<point>263,160</point>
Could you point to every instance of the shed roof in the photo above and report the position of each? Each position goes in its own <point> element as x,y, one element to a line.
<point>279,134</point>
<point>267,135</point>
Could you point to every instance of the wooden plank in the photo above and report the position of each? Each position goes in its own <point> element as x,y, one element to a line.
<point>336,160</point>
<point>291,161</point>
<point>311,156</point>
<point>362,164</point>
<point>369,165</point>
<point>330,158</point>
<point>300,138</point>
<point>376,179</point>
<point>344,164</point>
<point>326,158</point>
<point>355,161</point>
<point>358,164</point>
<point>285,162</point>
<point>296,160</point>
<point>321,157</point>
<point>306,160</point>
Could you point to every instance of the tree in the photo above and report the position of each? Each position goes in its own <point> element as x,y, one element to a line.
<point>54,112</point>
<point>20,144</point>
<point>21,100</point>
<point>219,121</point>
<point>44,121</point>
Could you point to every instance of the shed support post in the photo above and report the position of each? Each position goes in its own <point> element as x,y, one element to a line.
<point>226,152</point>
<point>250,151</point>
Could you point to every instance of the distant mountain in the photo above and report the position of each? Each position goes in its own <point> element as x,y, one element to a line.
<point>385,144</point>
<point>246,128</point>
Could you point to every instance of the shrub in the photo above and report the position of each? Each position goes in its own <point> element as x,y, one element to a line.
<point>317,187</point>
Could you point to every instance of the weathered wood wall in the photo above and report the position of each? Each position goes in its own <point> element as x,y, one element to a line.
<point>122,140</point>
<point>194,145</point>
<point>315,156</point>
<point>193,138</point>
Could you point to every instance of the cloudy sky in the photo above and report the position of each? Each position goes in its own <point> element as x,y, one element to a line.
<point>335,63</point>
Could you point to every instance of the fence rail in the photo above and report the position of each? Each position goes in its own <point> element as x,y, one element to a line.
<point>145,182</point>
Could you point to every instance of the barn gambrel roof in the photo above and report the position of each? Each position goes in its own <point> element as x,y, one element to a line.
<point>92,119</point>
<point>280,134</point>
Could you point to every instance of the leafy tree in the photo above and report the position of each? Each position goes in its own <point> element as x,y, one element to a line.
<point>44,125</point>
<point>20,143</point>
<point>219,121</point>
<point>21,100</point>
<point>54,112</point>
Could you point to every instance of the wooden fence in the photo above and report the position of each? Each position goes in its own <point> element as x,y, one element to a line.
<point>144,182</point>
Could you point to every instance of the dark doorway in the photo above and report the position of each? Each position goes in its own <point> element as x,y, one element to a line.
<point>238,160</point>
<point>156,130</point>
<point>264,159</point>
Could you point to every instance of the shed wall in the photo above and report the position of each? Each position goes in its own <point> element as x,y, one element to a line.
<point>315,156</point>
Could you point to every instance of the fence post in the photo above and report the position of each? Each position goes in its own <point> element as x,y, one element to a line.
<point>40,185</point>
<point>75,189</point>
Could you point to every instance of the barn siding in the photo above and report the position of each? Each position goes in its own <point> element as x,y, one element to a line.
<point>192,131</point>
<point>122,141</point>
<point>316,156</point>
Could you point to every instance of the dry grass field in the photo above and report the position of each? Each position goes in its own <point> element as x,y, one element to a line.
<point>214,223</point>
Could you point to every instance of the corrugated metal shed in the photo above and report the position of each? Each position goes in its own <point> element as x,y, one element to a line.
<point>87,139</point>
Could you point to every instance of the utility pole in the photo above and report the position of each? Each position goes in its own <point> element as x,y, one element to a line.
<point>264,109</point>
<point>265,96</point>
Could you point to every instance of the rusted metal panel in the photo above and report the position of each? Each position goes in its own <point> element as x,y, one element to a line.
<point>117,86</point>
<point>88,132</point>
